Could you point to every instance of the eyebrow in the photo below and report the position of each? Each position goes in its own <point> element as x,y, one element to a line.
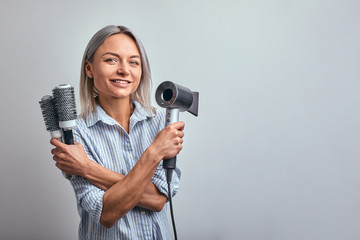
<point>117,55</point>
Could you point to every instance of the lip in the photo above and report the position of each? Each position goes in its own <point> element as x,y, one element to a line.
<point>120,82</point>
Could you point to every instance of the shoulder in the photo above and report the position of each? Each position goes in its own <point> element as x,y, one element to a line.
<point>159,118</point>
<point>81,128</point>
<point>80,124</point>
<point>159,114</point>
<point>84,134</point>
<point>154,121</point>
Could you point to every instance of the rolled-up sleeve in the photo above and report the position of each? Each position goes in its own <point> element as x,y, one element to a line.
<point>88,196</point>
<point>159,180</point>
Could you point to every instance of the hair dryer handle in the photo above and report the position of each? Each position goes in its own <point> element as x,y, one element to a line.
<point>172,116</point>
<point>169,163</point>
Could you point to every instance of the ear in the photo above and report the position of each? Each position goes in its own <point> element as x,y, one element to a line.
<point>88,69</point>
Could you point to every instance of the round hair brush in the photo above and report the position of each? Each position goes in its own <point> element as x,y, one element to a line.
<point>48,110</point>
<point>66,109</point>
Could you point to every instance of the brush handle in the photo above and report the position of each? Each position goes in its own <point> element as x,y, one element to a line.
<point>68,136</point>
<point>69,140</point>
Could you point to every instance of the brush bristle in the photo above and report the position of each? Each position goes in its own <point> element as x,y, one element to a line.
<point>65,102</point>
<point>48,109</point>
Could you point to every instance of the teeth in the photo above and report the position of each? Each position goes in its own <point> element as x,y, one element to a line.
<point>120,81</point>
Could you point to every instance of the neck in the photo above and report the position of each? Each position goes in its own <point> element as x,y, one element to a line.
<point>119,109</point>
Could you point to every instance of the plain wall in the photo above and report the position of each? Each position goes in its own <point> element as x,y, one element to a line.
<point>274,153</point>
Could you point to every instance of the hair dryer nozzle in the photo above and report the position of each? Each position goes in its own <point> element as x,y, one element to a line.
<point>171,95</point>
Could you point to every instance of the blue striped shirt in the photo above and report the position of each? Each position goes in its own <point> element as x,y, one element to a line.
<point>108,144</point>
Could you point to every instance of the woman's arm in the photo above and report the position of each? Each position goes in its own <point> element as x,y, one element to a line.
<point>76,162</point>
<point>126,193</point>
<point>130,189</point>
<point>104,178</point>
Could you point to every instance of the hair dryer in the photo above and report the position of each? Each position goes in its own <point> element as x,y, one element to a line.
<point>175,99</point>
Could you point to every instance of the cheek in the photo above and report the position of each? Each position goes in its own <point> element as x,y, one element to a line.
<point>138,75</point>
<point>97,85</point>
<point>138,78</point>
<point>97,79</point>
<point>101,75</point>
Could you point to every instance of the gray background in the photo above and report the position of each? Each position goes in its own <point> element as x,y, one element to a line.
<point>274,153</point>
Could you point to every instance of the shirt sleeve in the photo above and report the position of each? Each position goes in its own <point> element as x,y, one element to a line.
<point>88,196</point>
<point>159,180</point>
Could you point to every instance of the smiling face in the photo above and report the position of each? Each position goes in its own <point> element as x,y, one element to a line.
<point>116,68</point>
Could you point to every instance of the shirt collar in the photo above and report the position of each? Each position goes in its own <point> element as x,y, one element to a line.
<point>139,114</point>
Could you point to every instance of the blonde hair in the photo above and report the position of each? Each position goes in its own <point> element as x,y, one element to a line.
<point>88,92</point>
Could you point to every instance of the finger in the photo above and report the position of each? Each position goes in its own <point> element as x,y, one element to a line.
<point>178,125</point>
<point>57,143</point>
<point>55,151</point>
<point>180,134</point>
<point>180,147</point>
<point>61,167</point>
<point>60,157</point>
<point>58,165</point>
<point>55,158</point>
<point>182,126</point>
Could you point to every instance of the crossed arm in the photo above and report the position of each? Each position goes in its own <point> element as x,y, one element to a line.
<point>122,193</point>
<point>104,179</point>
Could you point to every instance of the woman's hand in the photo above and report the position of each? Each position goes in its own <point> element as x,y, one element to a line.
<point>71,159</point>
<point>168,142</point>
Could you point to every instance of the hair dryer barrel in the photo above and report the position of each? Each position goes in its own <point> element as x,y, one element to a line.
<point>171,95</point>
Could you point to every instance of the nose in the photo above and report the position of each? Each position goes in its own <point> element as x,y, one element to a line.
<point>123,69</point>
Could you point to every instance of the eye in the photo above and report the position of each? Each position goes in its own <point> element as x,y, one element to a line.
<point>111,60</point>
<point>134,63</point>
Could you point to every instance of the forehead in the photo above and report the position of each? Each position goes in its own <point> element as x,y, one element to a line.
<point>119,43</point>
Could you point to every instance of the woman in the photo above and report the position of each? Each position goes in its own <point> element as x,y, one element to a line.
<point>118,179</point>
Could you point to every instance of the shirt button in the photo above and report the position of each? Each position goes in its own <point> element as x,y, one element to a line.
<point>130,156</point>
<point>143,212</point>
